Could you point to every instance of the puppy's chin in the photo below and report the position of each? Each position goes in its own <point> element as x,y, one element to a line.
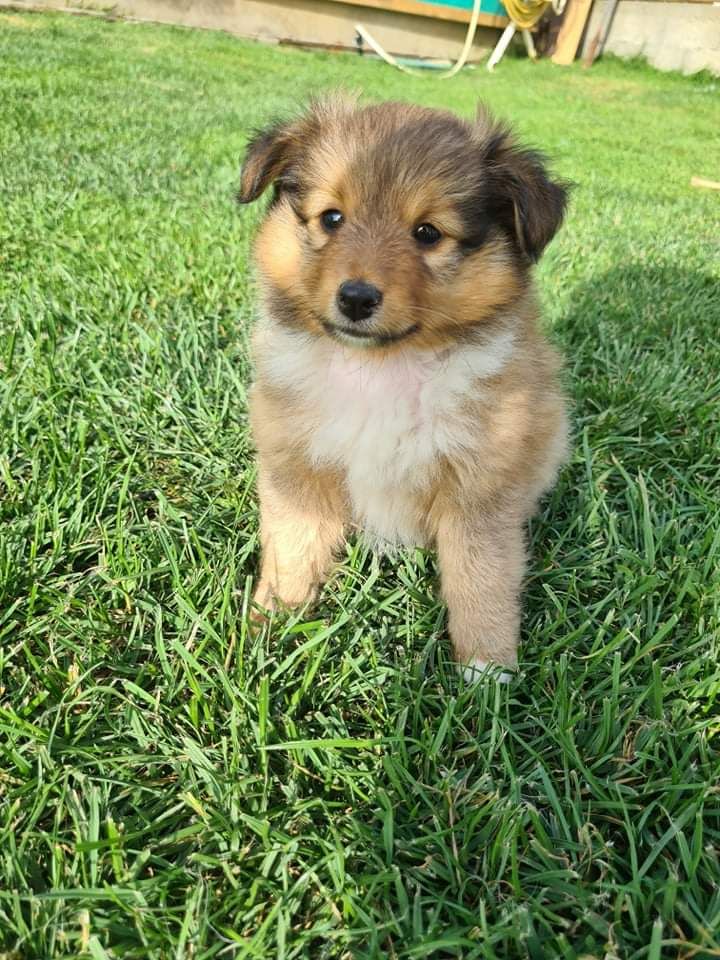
<point>363,342</point>
<point>364,338</point>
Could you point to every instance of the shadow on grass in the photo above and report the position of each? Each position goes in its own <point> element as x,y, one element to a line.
<point>631,506</point>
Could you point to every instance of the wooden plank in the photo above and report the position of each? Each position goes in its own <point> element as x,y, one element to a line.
<point>597,45</point>
<point>706,184</point>
<point>438,11</point>
<point>568,41</point>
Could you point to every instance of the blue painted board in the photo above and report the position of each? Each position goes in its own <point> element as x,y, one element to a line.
<point>487,6</point>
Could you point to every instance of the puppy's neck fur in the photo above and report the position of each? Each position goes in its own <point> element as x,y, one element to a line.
<point>312,366</point>
<point>385,420</point>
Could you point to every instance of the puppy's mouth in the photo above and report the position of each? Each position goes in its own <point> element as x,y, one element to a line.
<point>364,337</point>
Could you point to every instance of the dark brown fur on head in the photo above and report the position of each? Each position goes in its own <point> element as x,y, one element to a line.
<point>387,169</point>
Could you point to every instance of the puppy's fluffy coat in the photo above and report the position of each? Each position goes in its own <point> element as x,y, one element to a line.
<point>402,384</point>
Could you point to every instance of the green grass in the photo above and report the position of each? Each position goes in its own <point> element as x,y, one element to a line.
<point>172,786</point>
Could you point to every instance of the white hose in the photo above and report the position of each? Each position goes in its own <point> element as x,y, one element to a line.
<point>456,68</point>
<point>467,46</point>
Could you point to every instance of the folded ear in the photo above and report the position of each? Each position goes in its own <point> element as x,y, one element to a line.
<point>267,157</point>
<point>521,194</point>
<point>274,154</point>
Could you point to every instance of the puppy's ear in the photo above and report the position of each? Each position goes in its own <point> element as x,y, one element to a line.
<point>268,156</point>
<point>521,195</point>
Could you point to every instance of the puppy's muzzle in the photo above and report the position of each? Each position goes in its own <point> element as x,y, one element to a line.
<point>358,300</point>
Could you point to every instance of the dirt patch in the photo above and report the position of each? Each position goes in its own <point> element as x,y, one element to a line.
<point>22,23</point>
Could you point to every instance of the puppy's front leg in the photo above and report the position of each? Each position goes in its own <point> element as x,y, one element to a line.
<point>301,525</point>
<point>482,560</point>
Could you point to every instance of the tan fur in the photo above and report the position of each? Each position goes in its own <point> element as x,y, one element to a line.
<point>496,448</point>
<point>303,510</point>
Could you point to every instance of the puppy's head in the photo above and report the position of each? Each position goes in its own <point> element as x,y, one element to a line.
<point>393,222</point>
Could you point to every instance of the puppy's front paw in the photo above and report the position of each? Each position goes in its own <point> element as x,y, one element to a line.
<point>479,671</point>
<point>269,598</point>
<point>263,603</point>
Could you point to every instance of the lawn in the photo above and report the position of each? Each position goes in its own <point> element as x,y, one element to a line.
<point>173,786</point>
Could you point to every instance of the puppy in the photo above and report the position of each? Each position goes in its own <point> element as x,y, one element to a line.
<point>402,384</point>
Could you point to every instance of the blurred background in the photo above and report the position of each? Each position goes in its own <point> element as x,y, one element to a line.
<point>671,34</point>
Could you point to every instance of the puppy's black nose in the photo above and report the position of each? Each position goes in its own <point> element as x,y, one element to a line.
<point>357,299</point>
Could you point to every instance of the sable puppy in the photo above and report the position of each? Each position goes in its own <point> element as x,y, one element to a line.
<point>402,385</point>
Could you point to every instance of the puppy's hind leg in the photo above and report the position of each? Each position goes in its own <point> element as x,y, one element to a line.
<point>482,561</point>
<point>301,527</point>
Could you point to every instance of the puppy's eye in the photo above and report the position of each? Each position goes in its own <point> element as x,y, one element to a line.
<point>427,234</point>
<point>331,220</point>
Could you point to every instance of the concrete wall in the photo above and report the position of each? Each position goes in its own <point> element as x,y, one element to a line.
<point>672,36</point>
<point>333,23</point>
<point>302,21</point>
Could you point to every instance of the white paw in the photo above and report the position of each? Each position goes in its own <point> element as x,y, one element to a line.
<point>481,670</point>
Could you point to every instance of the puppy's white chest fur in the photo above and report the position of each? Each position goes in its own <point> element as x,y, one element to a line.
<point>385,421</point>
